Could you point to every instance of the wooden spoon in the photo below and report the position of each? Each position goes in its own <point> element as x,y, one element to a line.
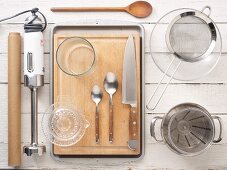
<point>140,9</point>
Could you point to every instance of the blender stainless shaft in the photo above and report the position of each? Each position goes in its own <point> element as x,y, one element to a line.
<point>34,147</point>
<point>34,117</point>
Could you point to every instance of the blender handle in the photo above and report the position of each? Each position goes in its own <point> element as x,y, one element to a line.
<point>153,122</point>
<point>220,133</point>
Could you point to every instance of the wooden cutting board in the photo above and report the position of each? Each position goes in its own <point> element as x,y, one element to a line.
<point>109,51</point>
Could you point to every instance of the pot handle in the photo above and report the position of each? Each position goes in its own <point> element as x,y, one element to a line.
<point>209,10</point>
<point>220,133</point>
<point>153,122</point>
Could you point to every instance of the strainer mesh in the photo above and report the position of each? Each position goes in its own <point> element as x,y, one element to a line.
<point>190,37</point>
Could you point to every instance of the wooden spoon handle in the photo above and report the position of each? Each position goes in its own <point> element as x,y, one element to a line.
<point>111,122</point>
<point>86,9</point>
<point>97,125</point>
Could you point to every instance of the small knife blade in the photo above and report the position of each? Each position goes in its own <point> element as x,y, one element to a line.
<point>129,92</point>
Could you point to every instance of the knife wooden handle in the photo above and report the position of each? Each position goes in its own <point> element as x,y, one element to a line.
<point>97,125</point>
<point>111,123</point>
<point>133,124</point>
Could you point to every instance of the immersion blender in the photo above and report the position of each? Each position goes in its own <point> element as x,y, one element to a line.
<point>33,70</point>
<point>34,74</point>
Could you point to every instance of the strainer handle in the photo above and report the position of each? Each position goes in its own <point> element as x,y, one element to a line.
<point>160,82</point>
<point>220,132</point>
<point>152,131</point>
<point>206,7</point>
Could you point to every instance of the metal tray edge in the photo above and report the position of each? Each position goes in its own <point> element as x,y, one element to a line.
<point>100,23</point>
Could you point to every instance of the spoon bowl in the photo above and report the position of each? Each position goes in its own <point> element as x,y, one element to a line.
<point>140,9</point>
<point>96,94</point>
<point>110,83</point>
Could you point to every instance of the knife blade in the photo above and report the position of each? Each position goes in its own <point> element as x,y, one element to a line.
<point>129,92</point>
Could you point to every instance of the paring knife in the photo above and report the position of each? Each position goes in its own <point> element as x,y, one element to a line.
<point>129,94</point>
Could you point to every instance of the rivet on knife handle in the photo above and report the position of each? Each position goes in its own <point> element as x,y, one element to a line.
<point>133,129</point>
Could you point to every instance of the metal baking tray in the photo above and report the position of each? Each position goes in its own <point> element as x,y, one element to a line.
<point>102,26</point>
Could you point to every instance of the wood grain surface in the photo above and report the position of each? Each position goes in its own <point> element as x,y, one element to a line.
<point>109,50</point>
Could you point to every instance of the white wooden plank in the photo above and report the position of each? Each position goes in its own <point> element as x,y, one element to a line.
<point>26,128</point>
<point>5,29</point>
<point>210,96</point>
<point>157,44</point>
<point>158,156</point>
<point>4,68</point>
<point>152,72</point>
<point>160,8</point>
<point>43,99</point>
<point>218,74</point>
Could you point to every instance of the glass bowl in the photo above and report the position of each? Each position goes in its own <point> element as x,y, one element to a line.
<point>75,56</point>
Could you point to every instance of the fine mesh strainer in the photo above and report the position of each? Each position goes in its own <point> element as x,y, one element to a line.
<point>191,36</point>
<point>192,46</point>
<point>188,129</point>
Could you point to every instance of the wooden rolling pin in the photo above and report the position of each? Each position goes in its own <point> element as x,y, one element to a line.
<point>14,99</point>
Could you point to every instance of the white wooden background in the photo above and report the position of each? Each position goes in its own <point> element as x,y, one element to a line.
<point>210,91</point>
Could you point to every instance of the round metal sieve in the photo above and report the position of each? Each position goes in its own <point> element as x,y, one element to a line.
<point>191,36</point>
<point>185,49</point>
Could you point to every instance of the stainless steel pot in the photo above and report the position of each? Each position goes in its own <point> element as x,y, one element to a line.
<point>188,129</point>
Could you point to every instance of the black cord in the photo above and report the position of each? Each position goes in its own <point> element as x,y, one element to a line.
<point>15,15</point>
<point>34,10</point>
<point>45,20</point>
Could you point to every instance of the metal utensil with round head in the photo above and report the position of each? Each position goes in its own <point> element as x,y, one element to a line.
<point>110,85</point>
<point>96,95</point>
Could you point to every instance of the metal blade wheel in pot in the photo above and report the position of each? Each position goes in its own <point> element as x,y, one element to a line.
<point>188,129</point>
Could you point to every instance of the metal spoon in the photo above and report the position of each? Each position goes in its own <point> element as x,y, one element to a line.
<point>96,95</point>
<point>110,85</point>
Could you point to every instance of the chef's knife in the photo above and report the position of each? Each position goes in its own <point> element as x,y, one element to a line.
<point>129,94</point>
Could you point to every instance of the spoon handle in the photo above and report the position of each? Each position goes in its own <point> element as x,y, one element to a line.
<point>110,122</point>
<point>85,9</point>
<point>97,125</point>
